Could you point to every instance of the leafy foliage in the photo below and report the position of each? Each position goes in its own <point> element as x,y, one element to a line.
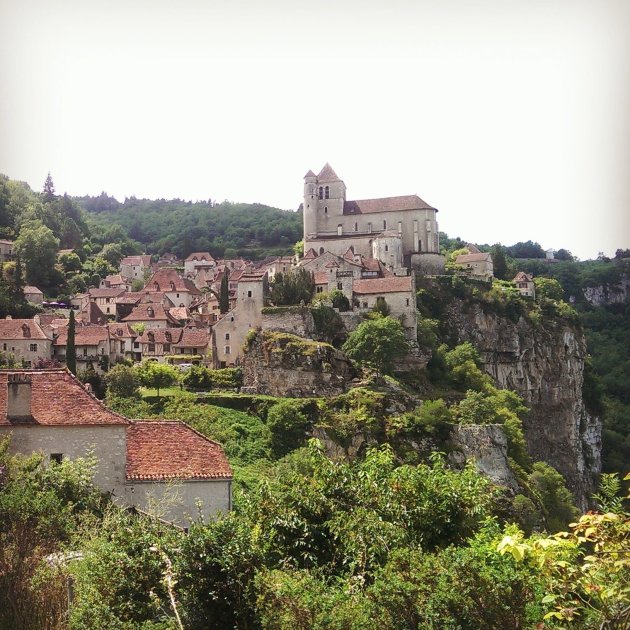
<point>296,286</point>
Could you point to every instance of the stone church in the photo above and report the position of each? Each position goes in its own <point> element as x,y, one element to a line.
<point>333,223</point>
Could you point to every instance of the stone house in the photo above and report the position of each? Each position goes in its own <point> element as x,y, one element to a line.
<point>228,334</point>
<point>334,223</point>
<point>92,344</point>
<point>115,281</point>
<point>477,265</point>
<point>106,298</point>
<point>122,342</point>
<point>6,250</point>
<point>134,267</point>
<point>180,291</point>
<point>137,462</point>
<point>525,284</point>
<point>151,315</point>
<point>24,339</point>
<point>193,344</point>
<point>279,264</point>
<point>33,295</point>
<point>398,292</point>
<point>198,260</point>
<point>157,343</point>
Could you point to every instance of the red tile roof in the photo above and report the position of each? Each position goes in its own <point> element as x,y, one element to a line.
<point>193,339</point>
<point>170,280</point>
<point>179,312</point>
<point>311,253</point>
<point>469,258</point>
<point>121,330</point>
<point>160,335</point>
<point>20,329</point>
<point>160,449</point>
<point>386,204</point>
<point>371,286</point>
<point>83,336</point>
<point>106,293</point>
<point>141,313</point>
<point>57,398</point>
<point>321,277</point>
<point>91,313</point>
<point>200,256</point>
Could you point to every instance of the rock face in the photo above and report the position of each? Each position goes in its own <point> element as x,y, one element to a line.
<point>487,445</point>
<point>282,364</point>
<point>609,293</point>
<point>544,364</point>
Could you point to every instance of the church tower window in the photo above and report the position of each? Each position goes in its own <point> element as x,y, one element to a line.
<point>327,193</point>
<point>325,209</point>
<point>384,224</point>
<point>321,192</point>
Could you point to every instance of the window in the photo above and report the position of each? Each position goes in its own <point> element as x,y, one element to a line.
<point>384,224</point>
<point>325,209</point>
<point>4,346</point>
<point>339,286</point>
<point>386,248</point>
<point>227,336</point>
<point>321,251</point>
<point>339,229</point>
<point>321,192</point>
<point>85,351</point>
<point>399,227</point>
<point>107,300</point>
<point>369,227</point>
<point>33,347</point>
<point>407,300</point>
<point>227,349</point>
<point>327,193</point>
<point>151,347</point>
<point>365,304</point>
<point>167,347</point>
<point>57,458</point>
<point>319,289</point>
<point>249,294</point>
<point>356,226</point>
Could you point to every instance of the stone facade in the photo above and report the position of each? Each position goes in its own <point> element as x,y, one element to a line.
<point>332,223</point>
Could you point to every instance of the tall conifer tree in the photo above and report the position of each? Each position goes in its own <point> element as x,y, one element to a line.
<point>71,351</point>
<point>224,295</point>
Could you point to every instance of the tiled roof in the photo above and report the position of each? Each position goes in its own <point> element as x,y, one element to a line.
<point>129,298</point>
<point>309,174</point>
<point>349,255</point>
<point>144,260</point>
<point>108,292</point>
<point>91,313</point>
<point>121,330</point>
<point>521,276</point>
<point>169,280</point>
<point>160,335</point>
<point>20,329</point>
<point>141,313</point>
<point>193,339</point>
<point>327,174</point>
<point>372,286</point>
<point>31,289</point>
<point>470,258</point>
<point>321,277</point>
<point>386,204</point>
<point>473,249</point>
<point>161,449</point>
<point>112,281</point>
<point>200,256</point>
<point>179,312</point>
<point>310,253</point>
<point>57,398</point>
<point>83,335</point>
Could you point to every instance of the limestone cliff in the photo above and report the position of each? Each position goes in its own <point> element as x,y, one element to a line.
<point>544,362</point>
<point>613,293</point>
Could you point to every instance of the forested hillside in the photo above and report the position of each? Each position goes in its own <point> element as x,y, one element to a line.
<point>224,229</point>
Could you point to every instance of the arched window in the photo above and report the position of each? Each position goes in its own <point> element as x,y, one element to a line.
<point>325,209</point>
<point>384,224</point>
<point>321,192</point>
<point>326,193</point>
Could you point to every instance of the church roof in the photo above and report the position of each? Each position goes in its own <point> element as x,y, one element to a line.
<point>385,204</point>
<point>327,174</point>
<point>310,174</point>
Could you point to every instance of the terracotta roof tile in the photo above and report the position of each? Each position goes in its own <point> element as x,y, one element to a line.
<point>179,312</point>
<point>151,311</point>
<point>386,204</point>
<point>370,286</point>
<point>169,280</point>
<point>108,292</point>
<point>20,329</point>
<point>193,339</point>
<point>83,335</point>
<point>200,256</point>
<point>521,276</point>
<point>469,258</point>
<point>121,330</point>
<point>57,398</point>
<point>311,253</point>
<point>321,277</point>
<point>160,335</point>
<point>161,449</point>
<point>31,289</point>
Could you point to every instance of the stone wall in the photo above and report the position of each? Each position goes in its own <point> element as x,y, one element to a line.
<point>427,264</point>
<point>281,364</point>
<point>296,320</point>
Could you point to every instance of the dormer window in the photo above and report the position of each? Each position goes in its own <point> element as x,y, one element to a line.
<point>150,312</point>
<point>26,331</point>
<point>172,286</point>
<point>156,286</point>
<point>167,336</point>
<point>151,337</point>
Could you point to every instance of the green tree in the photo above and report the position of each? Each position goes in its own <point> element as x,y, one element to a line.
<point>548,288</point>
<point>499,262</point>
<point>288,425</point>
<point>37,247</point>
<point>294,287</point>
<point>157,375</point>
<point>378,343</point>
<point>112,253</point>
<point>71,351</point>
<point>122,381</point>
<point>49,189</point>
<point>224,294</point>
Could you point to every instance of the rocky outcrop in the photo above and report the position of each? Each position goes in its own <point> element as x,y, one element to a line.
<point>605,294</point>
<point>486,444</point>
<point>282,364</point>
<point>544,363</point>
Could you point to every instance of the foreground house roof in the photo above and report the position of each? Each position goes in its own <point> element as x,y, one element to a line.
<point>57,399</point>
<point>158,450</point>
<point>20,329</point>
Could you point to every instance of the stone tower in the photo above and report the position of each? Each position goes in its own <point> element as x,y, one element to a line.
<point>324,198</point>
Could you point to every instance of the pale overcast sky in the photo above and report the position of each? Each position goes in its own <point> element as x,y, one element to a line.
<point>512,117</point>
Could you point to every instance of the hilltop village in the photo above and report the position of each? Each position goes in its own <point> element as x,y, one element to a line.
<point>367,250</point>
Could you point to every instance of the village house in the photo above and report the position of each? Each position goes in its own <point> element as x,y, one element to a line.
<point>180,291</point>
<point>477,265</point>
<point>135,267</point>
<point>122,338</point>
<point>137,462</point>
<point>115,281</point>
<point>150,315</point>
<point>525,284</point>
<point>199,260</point>
<point>24,339</point>
<point>6,250</point>
<point>33,295</point>
<point>105,299</point>
<point>92,345</point>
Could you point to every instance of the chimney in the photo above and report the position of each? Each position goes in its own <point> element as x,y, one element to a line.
<point>19,397</point>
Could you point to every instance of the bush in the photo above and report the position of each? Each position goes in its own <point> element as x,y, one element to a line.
<point>197,377</point>
<point>227,378</point>
<point>122,381</point>
<point>288,425</point>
